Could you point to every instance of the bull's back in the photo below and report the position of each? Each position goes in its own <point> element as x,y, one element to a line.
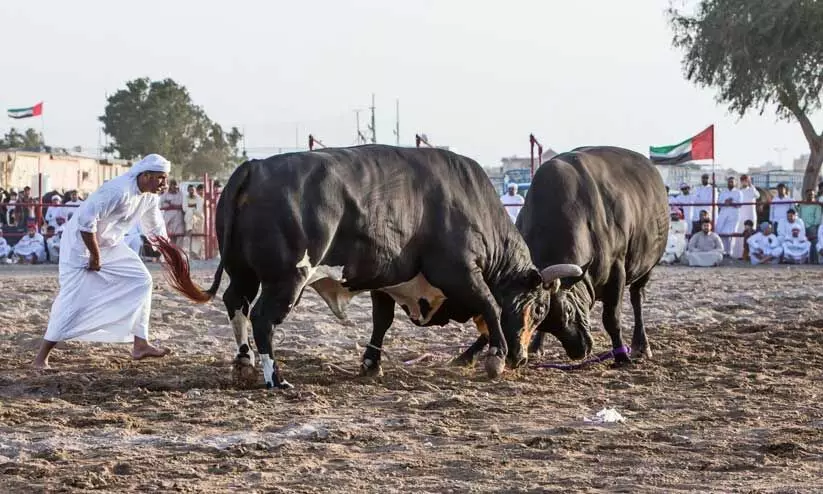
<point>597,205</point>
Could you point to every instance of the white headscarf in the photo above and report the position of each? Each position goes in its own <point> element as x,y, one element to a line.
<point>151,163</point>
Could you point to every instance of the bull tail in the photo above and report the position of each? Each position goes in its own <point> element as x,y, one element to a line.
<point>178,272</point>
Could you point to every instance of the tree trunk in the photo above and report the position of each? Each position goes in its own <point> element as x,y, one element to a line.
<point>812,175</point>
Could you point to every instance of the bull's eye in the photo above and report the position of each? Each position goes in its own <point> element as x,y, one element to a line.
<point>539,310</point>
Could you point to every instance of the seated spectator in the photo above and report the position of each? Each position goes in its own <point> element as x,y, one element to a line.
<point>748,231</point>
<point>764,247</point>
<point>705,247</point>
<point>5,249</point>
<point>696,225</point>
<point>676,246</point>
<point>820,244</point>
<point>784,227</point>
<point>53,211</point>
<point>52,245</point>
<point>796,247</point>
<point>811,213</point>
<point>31,249</point>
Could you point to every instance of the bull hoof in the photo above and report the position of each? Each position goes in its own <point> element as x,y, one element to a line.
<point>371,369</point>
<point>494,366</point>
<point>466,359</point>
<point>621,361</point>
<point>243,373</point>
<point>642,351</point>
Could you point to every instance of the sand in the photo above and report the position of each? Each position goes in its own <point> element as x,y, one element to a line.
<point>731,401</point>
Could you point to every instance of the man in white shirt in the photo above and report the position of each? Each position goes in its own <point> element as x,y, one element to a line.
<point>512,201</point>
<point>705,247</point>
<point>748,194</point>
<point>764,247</point>
<point>779,206</point>
<point>787,224</point>
<point>684,201</point>
<point>31,249</point>
<point>727,220</point>
<point>704,194</point>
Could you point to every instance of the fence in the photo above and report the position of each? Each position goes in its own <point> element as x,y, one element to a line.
<point>210,198</point>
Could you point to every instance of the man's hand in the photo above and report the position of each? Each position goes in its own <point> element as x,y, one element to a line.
<point>94,250</point>
<point>94,263</point>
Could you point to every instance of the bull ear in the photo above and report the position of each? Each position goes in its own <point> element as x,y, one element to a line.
<point>534,279</point>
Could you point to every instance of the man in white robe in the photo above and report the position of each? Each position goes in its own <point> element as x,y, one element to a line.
<point>512,202</point>
<point>105,289</point>
<point>171,202</point>
<point>779,206</point>
<point>728,218</point>
<point>31,248</point>
<point>5,250</point>
<point>195,222</point>
<point>53,245</point>
<point>820,244</point>
<point>684,202</point>
<point>705,247</point>
<point>54,211</point>
<point>764,247</point>
<point>796,247</point>
<point>676,245</point>
<point>787,224</point>
<point>705,194</point>
<point>748,193</point>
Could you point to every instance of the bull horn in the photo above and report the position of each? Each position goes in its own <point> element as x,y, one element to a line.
<point>557,271</point>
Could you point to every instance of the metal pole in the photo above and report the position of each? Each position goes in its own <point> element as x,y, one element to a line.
<point>397,123</point>
<point>373,128</point>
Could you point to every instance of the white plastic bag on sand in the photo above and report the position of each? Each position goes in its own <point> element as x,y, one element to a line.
<point>605,416</point>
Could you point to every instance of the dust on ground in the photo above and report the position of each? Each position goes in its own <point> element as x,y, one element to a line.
<point>731,401</point>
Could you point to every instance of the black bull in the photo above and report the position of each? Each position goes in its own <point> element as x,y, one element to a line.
<point>422,228</point>
<point>608,213</point>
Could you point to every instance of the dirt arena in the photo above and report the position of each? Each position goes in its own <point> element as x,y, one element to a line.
<point>731,402</point>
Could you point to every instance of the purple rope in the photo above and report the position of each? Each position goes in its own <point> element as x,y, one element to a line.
<point>601,357</point>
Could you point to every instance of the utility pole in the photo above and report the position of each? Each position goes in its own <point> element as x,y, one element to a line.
<point>372,127</point>
<point>397,122</point>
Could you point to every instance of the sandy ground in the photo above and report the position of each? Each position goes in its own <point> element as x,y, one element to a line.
<point>730,403</point>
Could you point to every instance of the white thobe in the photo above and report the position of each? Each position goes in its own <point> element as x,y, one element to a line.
<point>194,219</point>
<point>134,240</point>
<point>727,221</point>
<point>703,195</point>
<point>796,249</point>
<point>676,245</point>
<point>705,249</point>
<point>53,244</point>
<point>52,214</point>
<point>512,204</point>
<point>767,245</point>
<point>113,304</point>
<point>689,212</point>
<point>820,243</point>
<point>30,245</point>
<point>73,206</point>
<point>5,250</point>
<point>175,224</point>
<point>784,228</point>
<point>748,194</point>
<point>778,209</point>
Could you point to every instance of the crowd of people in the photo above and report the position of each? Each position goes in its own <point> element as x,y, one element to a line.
<point>27,237</point>
<point>789,233</point>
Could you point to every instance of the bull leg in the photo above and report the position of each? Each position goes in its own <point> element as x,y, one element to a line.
<point>236,298</point>
<point>469,357</point>
<point>612,302</point>
<point>274,304</point>
<point>536,345</point>
<point>382,317</point>
<point>640,344</point>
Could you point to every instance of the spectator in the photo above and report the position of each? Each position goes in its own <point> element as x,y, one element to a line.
<point>820,192</point>
<point>684,201</point>
<point>11,209</point>
<point>74,200</point>
<point>218,189</point>
<point>696,225</point>
<point>748,231</point>
<point>748,212</point>
<point>820,244</point>
<point>706,194</point>
<point>728,218</point>
<point>52,245</point>
<point>26,213</point>
<point>676,246</point>
<point>764,247</point>
<point>5,249</point>
<point>785,227</point>
<point>810,213</point>
<point>171,202</point>
<point>705,247</point>
<point>779,206</point>
<point>194,222</point>
<point>796,246</point>
<point>512,201</point>
<point>53,211</point>
<point>31,249</point>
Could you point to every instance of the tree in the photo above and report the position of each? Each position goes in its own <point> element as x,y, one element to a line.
<point>14,139</point>
<point>160,117</point>
<point>759,53</point>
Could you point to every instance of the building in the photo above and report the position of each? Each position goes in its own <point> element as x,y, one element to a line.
<point>60,171</point>
<point>515,169</point>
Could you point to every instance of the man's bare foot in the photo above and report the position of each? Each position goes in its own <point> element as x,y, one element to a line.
<point>148,351</point>
<point>40,364</point>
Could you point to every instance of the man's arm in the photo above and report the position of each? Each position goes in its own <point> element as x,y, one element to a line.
<point>90,239</point>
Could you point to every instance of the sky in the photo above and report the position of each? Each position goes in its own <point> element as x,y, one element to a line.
<point>476,76</point>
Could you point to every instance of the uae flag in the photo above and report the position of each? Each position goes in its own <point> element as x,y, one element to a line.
<point>31,111</point>
<point>699,147</point>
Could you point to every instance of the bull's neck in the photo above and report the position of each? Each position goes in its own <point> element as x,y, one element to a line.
<point>508,265</point>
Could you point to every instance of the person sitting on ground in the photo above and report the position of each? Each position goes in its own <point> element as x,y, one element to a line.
<point>796,247</point>
<point>705,247</point>
<point>31,249</point>
<point>52,245</point>
<point>5,249</point>
<point>785,227</point>
<point>748,231</point>
<point>676,246</point>
<point>764,247</point>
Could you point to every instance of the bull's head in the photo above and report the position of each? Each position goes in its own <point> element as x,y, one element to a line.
<point>568,317</point>
<point>526,307</point>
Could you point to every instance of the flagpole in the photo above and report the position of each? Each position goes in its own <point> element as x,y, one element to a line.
<point>714,184</point>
